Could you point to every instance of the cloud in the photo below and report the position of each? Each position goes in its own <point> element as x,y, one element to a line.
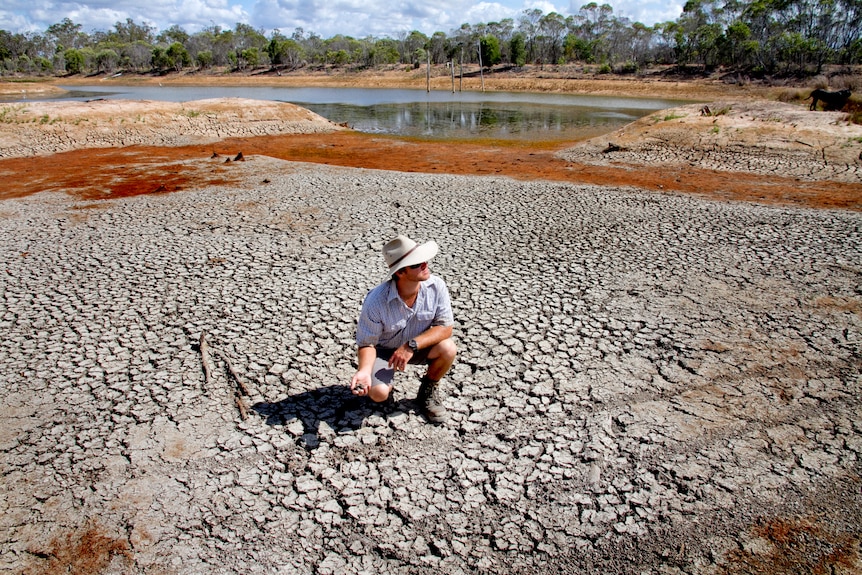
<point>357,18</point>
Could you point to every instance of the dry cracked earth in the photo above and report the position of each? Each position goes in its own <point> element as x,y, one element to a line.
<point>646,382</point>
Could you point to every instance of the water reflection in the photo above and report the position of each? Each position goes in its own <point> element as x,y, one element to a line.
<point>416,113</point>
<point>468,120</point>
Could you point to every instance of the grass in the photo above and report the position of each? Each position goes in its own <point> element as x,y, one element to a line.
<point>8,115</point>
<point>720,112</point>
<point>854,111</point>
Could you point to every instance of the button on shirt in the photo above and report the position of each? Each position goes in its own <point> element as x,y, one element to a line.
<point>387,322</point>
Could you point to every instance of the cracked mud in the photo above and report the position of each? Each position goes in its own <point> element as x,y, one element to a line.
<point>646,383</point>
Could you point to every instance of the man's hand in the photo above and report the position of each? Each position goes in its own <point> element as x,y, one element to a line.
<point>400,357</point>
<point>361,383</point>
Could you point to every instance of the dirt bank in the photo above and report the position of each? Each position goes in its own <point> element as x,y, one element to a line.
<point>40,128</point>
<point>567,79</point>
<point>757,150</point>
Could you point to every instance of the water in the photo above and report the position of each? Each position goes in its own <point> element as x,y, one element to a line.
<point>439,114</point>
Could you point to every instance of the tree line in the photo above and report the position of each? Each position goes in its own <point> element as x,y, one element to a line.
<point>758,37</point>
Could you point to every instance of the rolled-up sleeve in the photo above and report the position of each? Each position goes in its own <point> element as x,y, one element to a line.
<point>370,324</point>
<point>443,315</point>
<point>386,321</point>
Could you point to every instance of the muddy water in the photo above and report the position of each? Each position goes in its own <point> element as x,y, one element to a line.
<point>437,115</point>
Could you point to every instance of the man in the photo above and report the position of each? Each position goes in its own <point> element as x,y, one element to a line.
<point>406,320</point>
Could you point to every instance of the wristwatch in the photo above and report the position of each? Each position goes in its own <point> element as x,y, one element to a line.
<point>413,345</point>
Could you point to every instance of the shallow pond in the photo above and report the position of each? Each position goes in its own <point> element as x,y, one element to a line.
<point>438,114</point>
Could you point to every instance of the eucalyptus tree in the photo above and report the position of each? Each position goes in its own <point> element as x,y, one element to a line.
<point>66,34</point>
<point>503,31</point>
<point>107,60</point>
<point>413,48</point>
<point>438,48</point>
<point>697,34</point>
<point>592,26</point>
<point>173,34</point>
<point>552,29</point>
<point>218,42</point>
<point>639,42</point>
<point>129,32</point>
<point>384,51</point>
<point>463,44</point>
<point>517,50</point>
<point>528,25</point>
<point>489,46</point>
<point>847,31</point>
<point>342,50</point>
<point>284,51</point>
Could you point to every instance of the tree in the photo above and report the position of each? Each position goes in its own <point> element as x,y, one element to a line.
<point>251,57</point>
<point>438,46</point>
<point>529,26</point>
<point>413,48</point>
<point>106,60</point>
<point>129,32</point>
<point>74,59</point>
<point>204,59</point>
<point>67,34</point>
<point>551,30</point>
<point>578,49</point>
<point>517,50</point>
<point>136,56</point>
<point>173,34</point>
<point>489,47</point>
<point>384,51</point>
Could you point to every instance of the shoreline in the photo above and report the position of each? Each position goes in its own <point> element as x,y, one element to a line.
<point>747,147</point>
<point>564,79</point>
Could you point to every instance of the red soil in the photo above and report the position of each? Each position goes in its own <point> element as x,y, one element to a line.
<point>119,172</point>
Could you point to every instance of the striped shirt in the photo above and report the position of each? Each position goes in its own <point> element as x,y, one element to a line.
<point>386,321</point>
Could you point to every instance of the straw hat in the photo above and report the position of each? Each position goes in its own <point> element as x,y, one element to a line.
<point>402,252</point>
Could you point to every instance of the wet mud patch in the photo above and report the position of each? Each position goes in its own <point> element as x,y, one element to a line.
<point>122,172</point>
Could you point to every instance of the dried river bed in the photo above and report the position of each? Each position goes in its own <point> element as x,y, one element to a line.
<point>647,383</point>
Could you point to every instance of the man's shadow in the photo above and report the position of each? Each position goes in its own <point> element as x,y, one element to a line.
<point>335,405</point>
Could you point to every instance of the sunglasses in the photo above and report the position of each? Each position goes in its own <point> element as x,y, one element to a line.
<point>417,266</point>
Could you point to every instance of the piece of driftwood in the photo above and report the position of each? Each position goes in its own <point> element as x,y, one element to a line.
<point>613,148</point>
<point>206,361</point>
<point>239,388</point>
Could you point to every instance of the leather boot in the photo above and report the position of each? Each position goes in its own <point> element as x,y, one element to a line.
<point>429,401</point>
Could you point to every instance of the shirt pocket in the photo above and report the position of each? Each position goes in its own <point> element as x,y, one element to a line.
<point>424,316</point>
<point>396,326</point>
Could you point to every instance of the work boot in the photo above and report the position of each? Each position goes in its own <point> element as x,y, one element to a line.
<point>429,401</point>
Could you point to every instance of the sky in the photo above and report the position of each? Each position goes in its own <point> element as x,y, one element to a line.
<point>326,18</point>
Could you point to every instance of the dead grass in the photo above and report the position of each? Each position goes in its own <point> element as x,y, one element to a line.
<point>88,550</point>
<point>791,546</point>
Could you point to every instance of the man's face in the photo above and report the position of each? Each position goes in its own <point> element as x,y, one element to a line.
<point>417,273</point>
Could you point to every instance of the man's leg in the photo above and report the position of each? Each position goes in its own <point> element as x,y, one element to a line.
<point>381,380</point>
<point>440,359</point>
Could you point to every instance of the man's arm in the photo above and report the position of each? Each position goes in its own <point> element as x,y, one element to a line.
<point>433,335</point>
<point>428,338</point>
<point>361,382</point>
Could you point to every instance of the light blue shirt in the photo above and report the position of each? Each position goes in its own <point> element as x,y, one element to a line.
<point>386,321</point>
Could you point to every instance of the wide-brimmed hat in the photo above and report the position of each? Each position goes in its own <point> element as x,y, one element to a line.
<point>402,252</point>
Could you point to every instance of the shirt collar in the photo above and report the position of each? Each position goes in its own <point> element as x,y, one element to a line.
<point>393,290</point>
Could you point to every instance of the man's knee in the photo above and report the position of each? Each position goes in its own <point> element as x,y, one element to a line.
<point>379,392</point>
<point>446,349</point>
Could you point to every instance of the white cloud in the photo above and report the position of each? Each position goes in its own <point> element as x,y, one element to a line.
<point>357,18</point>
